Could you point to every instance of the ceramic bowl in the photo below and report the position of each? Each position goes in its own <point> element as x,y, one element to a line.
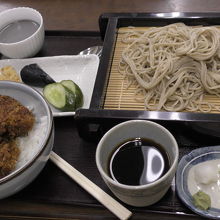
<point>141,195</point>
<point>31,160</point>
<point>31,45</point>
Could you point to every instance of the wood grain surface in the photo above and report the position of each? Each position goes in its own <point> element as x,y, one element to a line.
<point>83,14</point>
<point>53,195</point>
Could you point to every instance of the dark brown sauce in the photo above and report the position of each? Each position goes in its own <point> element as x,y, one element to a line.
<point>138,162</point>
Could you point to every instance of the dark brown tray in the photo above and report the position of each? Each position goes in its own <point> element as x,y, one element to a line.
<point>93,122</point>
<point>53,195</point>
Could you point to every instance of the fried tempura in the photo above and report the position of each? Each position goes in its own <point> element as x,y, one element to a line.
<point>9,73</point>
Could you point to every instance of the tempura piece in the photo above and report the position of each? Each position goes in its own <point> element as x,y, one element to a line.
<point>9,73</point>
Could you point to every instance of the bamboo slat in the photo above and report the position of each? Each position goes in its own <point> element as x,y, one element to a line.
<point>121,97</point>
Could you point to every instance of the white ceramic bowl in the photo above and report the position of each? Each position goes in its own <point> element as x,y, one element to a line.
<point>142,195</point>
<point>31,160</point>
<point>29,46</point>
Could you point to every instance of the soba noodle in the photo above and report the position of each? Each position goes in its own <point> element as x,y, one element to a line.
<point>174,66</point>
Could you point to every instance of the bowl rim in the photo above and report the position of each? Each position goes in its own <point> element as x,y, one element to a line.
<point>172,168</point>
<point>28,164</point>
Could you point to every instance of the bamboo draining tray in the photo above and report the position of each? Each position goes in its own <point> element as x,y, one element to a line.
<point>118,95</point>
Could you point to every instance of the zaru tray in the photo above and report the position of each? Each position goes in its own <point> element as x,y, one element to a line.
<point>107,108</point>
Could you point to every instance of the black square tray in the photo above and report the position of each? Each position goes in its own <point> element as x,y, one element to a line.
<point>92,123</point>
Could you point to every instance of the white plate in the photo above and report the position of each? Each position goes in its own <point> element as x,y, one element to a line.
<point>82,69</point>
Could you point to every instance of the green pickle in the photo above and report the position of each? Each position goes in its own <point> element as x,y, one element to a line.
<point>74,88</point>
<point>202,200</point>
<point>65,96</point>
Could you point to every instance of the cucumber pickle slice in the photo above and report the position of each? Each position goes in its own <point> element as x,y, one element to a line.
<point>75,89</point>
<point>55,94</point>
<point>67,97</point>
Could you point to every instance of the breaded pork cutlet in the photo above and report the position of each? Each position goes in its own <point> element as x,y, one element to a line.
<point>9,153</point>
<point>15,119</point>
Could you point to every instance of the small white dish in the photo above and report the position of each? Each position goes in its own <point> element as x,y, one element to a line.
<point>186,163</point>
<point>29,46</point>
<point>82,69</point>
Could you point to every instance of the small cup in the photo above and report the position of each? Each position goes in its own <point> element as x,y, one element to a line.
<point>31,45</point>
<point>142,195</point>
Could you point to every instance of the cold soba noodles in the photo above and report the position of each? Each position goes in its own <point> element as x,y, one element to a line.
<point>173,66</point>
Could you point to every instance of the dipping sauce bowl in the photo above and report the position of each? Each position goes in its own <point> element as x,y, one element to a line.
<point>140,194</point>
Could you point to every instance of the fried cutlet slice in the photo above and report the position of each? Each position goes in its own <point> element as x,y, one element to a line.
<point>15,119</point>
<point>9,153</point>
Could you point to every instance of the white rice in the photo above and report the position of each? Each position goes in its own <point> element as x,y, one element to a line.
<point>31,144</point>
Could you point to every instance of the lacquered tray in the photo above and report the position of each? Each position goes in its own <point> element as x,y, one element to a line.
<point>95,118</point>
<point>53,195</point>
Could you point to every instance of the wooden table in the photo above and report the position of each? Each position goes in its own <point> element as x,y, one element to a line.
<point>73,26</point>
<point>80,15</point>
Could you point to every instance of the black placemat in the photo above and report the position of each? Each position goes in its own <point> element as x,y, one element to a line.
<point>54,186</point>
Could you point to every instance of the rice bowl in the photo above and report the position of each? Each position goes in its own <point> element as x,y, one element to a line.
<point>34,148</point>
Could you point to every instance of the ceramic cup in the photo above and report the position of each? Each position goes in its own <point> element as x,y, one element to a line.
<point>142,195</point>
<point>31,45</point>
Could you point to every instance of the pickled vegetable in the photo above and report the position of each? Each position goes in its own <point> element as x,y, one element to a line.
<point>63,97</point>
